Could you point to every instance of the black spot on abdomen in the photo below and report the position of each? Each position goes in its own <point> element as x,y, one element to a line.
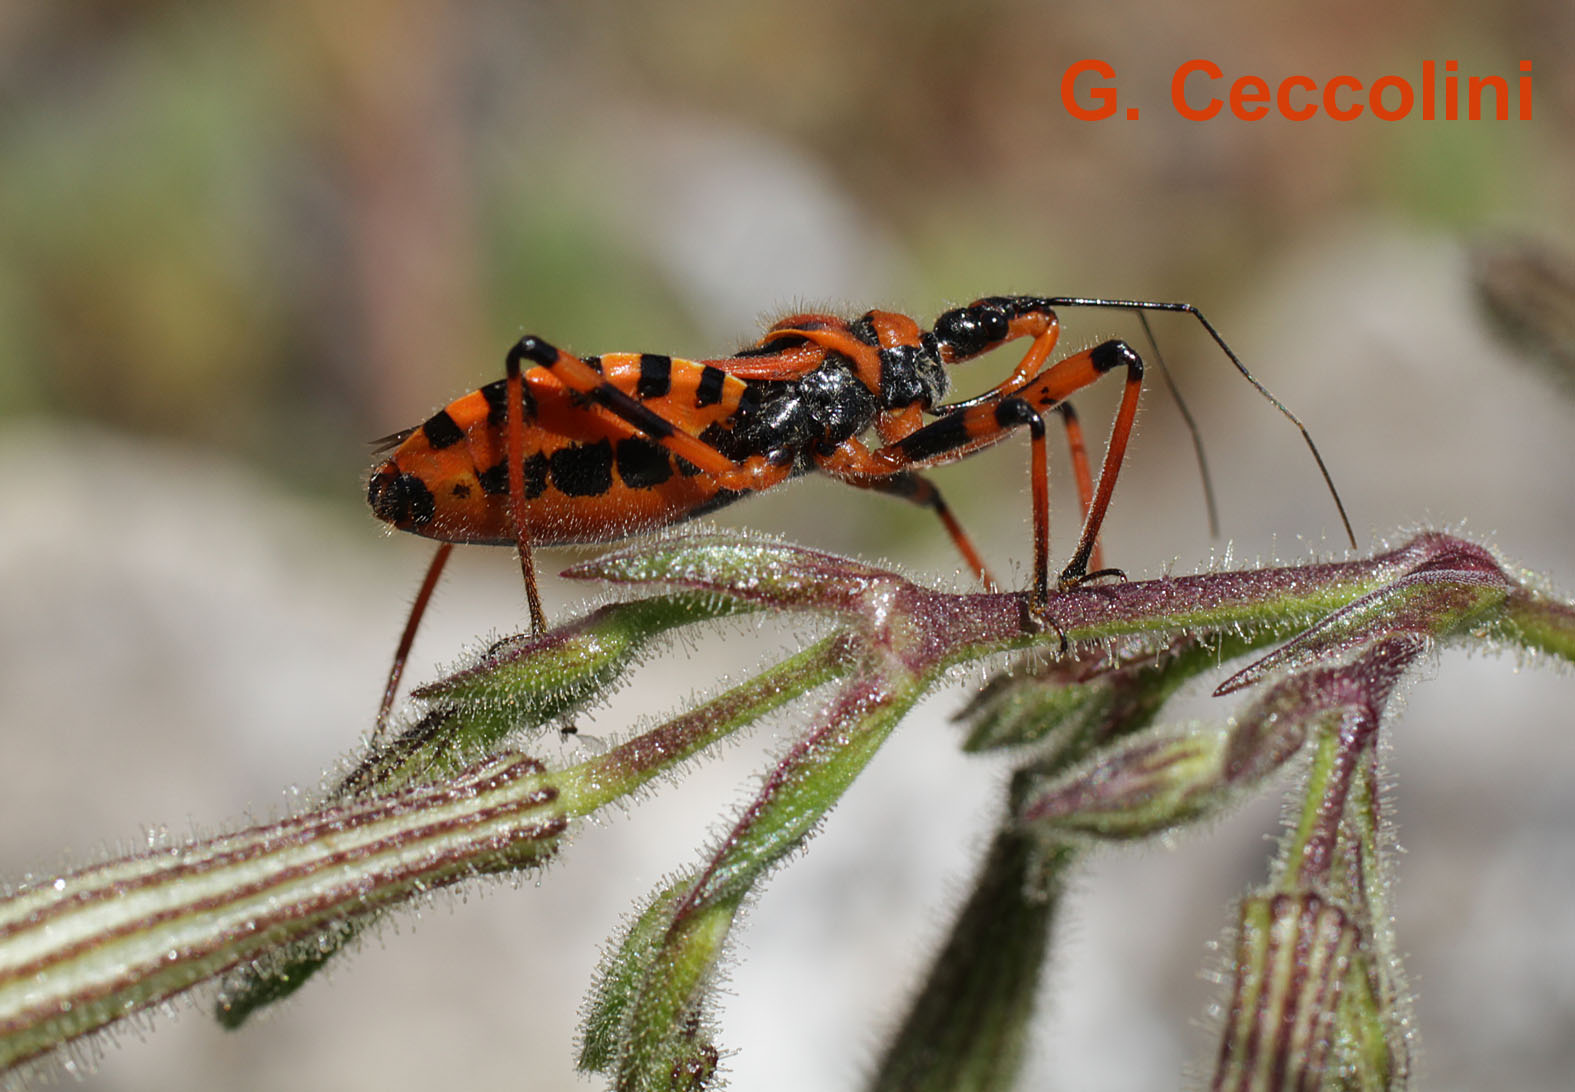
<point>582,470</point>
<point>708,392</point>
<point>441,431</point>
<point>656,375</point>
<point>400,498</point>
<point>495,479</point>
<point>642,464</point>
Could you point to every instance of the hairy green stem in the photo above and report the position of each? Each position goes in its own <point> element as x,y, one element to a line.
<point>431,806</point>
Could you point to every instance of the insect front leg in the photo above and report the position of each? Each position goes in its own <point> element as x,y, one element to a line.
<point>985,325</point>
<point>981,424</point>
<point>1080,473</point>
<point>890,469</point>
<point>1060,382</point>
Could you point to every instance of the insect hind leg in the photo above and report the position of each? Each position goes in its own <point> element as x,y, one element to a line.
<point>407,638</point>
<point>514,458</point>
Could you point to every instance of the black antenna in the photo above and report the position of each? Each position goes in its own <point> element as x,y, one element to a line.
<point>1140,306</point>
<point>1192,426</point>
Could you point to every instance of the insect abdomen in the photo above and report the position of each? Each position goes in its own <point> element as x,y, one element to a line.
<point>587,479</point>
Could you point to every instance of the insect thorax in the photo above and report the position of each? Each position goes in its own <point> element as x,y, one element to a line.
<point>801,417</point>
<point>909,374</point>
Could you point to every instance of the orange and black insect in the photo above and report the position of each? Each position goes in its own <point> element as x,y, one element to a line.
<point>575,450</point>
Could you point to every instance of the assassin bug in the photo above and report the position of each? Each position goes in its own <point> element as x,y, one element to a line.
<point>567,449</point>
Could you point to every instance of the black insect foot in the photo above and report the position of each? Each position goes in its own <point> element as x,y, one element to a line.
<point>1035,618</point>
<point>1071,579</point>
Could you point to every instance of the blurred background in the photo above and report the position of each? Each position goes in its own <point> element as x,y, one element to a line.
<point>239,241</point>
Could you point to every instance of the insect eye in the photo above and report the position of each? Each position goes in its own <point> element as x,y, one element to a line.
<point>969,331</point>
<point>961,332</point>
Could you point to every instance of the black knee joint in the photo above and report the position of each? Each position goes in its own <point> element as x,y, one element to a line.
<point>533,349</point>
<point>1116,354</point>
<point>1014,411</point>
